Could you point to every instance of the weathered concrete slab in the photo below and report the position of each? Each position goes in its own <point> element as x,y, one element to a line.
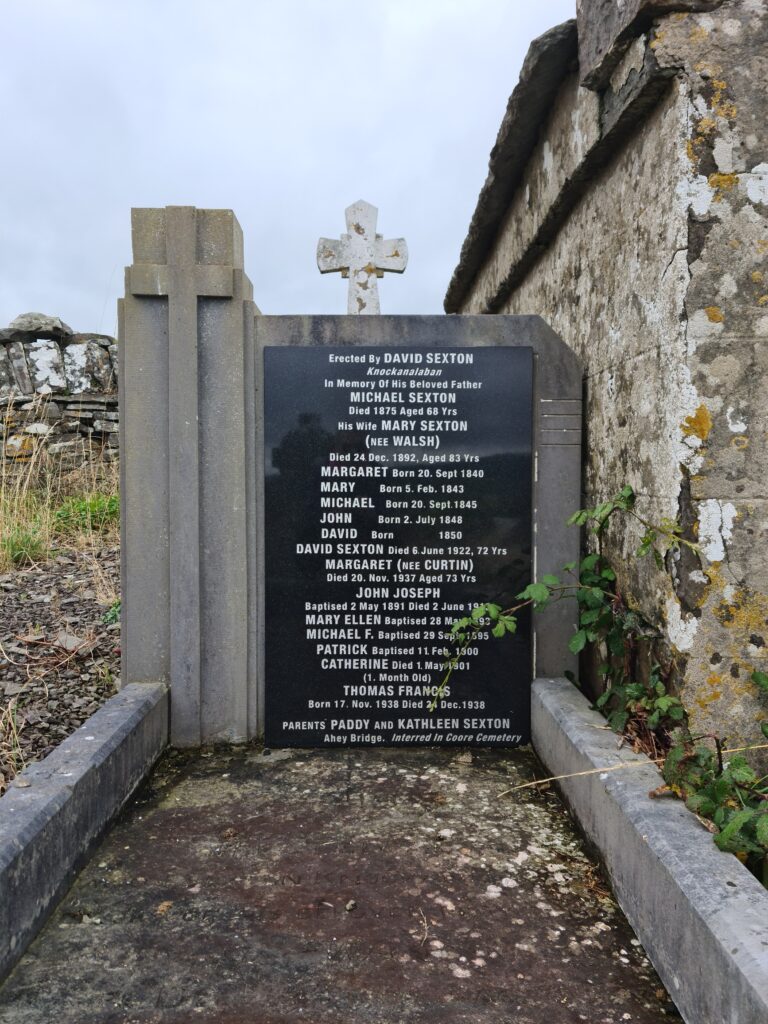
<point>607,27</point>
<point>58,807</point>
<point>702,917</point>
<point>357,886</point>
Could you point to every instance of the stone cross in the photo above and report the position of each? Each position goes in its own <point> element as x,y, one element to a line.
<point>362,256</point>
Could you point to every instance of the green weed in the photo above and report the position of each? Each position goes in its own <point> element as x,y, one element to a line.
<point>94,512</point>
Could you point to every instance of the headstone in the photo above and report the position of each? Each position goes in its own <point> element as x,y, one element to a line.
<point>260,569</point>
<point>408,463</point>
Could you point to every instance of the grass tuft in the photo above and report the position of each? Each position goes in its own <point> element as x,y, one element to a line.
<point>91,512</point>
<point>44,507</point>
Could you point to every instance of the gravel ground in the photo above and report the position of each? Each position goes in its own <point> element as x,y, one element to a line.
<point>59,659</point>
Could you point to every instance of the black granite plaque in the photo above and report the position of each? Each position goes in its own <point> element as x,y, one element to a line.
<point>397,497</point>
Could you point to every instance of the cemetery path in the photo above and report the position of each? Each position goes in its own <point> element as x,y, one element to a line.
<point>345,886</point>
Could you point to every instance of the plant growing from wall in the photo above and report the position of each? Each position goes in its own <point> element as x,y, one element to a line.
<point>726,795</point>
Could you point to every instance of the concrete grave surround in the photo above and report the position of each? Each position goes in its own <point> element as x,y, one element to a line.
<point>57,809</point>
<point>701,916</point>
<point>192,467</point>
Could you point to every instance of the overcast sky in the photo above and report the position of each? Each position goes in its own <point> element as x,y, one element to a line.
<point>285,111</point>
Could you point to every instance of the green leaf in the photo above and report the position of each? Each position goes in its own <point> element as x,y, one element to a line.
<point>550,581</point>
<point>509,622</point>
<point>499,630</point>
<point>740,772</point>
<point>588,617</point>
<point>577,642</point>
<point>761,829</point>
<point>764,729</point>
<point>618,720</point>
<point>478,613</point>
<point>760,679</point>
<point>589,562</point>
<point>730,834</point>
<point>608,574</point>
<point>536,592</point>
<point>700,804</point>
<point>494,610</point>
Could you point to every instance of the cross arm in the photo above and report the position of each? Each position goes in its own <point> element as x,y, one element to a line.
<point>212,281</point>
<point>391,255</point>
<point>332,255</point>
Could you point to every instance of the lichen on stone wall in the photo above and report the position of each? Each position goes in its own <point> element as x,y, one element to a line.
<point>58,392</point>
<point>658,278</point>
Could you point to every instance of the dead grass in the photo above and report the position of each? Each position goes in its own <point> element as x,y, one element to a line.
<point>11,752</point>
<point>34,486</point>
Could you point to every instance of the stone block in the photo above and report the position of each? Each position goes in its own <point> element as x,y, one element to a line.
<point>7,376</point>
<point>19,446</point>
<point>607,27</point>
<point>106,426</point>
<point>38,325</point>
<point>46,367</point>
<point>18,361</point>
<point>88,367</point>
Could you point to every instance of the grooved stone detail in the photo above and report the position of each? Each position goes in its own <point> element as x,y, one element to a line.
<point>187,493</point>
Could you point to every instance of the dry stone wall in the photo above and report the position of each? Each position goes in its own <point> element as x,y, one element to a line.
<point>637,225</point>
<point>58,391</point>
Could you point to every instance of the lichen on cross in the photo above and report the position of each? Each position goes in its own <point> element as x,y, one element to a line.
<point>362,256</point>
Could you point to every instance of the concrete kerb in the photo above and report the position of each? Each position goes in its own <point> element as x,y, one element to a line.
<point>701,916</point>
<point>56,809</point>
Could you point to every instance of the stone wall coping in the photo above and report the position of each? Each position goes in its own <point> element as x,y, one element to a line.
<point>56,809</point>
<point>700,915</point>
<point>607,28</point>
<point>549,59</point>
<point>526,138</point>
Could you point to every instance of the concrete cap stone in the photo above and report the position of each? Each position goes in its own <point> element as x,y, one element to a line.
<point>218,236</point>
